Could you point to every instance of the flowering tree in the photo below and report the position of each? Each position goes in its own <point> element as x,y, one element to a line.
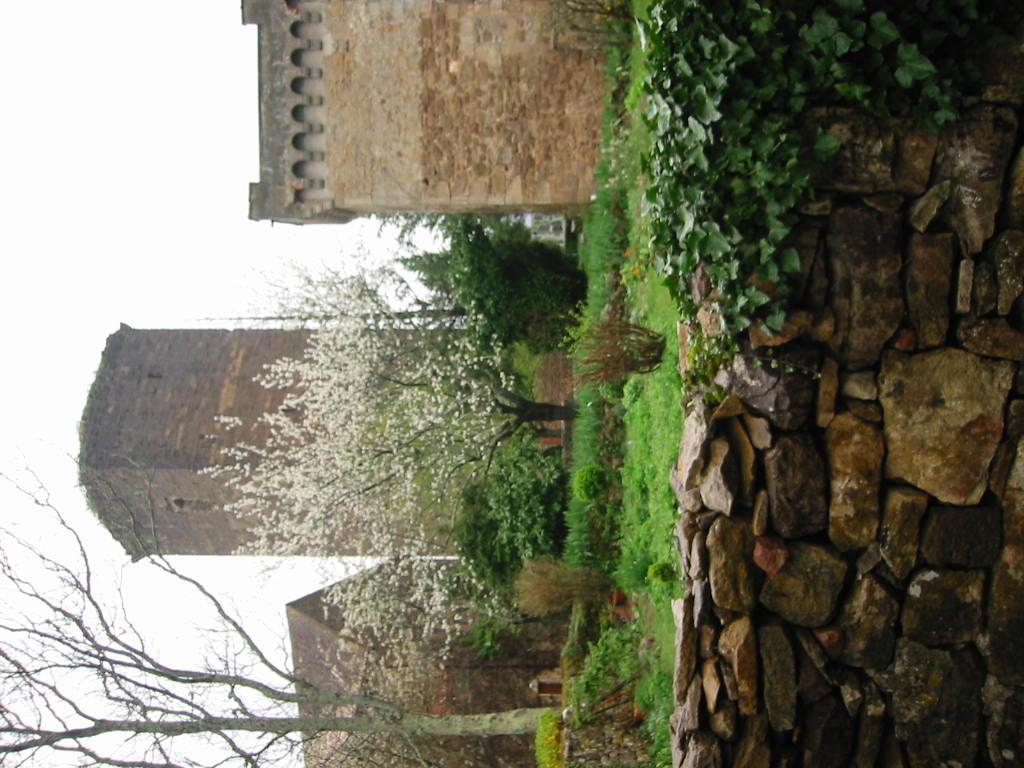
<point>81,684</point>
<point>391,410</point>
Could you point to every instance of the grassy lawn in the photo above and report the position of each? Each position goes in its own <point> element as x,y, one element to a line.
<point>633,431</point>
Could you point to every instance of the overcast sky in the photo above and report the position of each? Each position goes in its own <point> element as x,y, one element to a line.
<point>130,136</point>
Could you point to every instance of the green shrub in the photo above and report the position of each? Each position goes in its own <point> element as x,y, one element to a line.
<point>511,287</point>
<point>654,698</point>
<point>513,514</point>
<point>612,665</point>
<point>488,637</point>
<point>589,482</point>
<point>663,572</point>
<point>548,742</point>
<point>635,560</point>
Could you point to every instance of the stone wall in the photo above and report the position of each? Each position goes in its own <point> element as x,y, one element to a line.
<point>852,521</point>
<point>457,682</point>
<point>421,105</point>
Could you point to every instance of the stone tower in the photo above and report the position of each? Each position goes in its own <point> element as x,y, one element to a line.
<point>155,420</point>
<point>421,105</point>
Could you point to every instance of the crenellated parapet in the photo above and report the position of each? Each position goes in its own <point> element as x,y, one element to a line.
<point>293,163</point>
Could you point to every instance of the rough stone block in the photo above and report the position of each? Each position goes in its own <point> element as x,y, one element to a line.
<point>943,420</point>
<point>855,451</point>
<point>828,735</point>
<point>686,647</point>
<point>719,482</point>
<point>797,486</point>
<point>867,152</point>
<point>865,263</point>
<point>915,153</point>
<point>901,524</point>
<point>738,646</point>
<point>1008,256</point>
<point>731,551</point>
<point>935,693</point>
<point>991,337</point>
<point>806,590</point>
<point>867,620</point>
<point>929,279</point>
<point>1015,197</point>
<point>1006,597</point>
<point>974,153</point>
<point>944,607</point>
<point>828,390</point>
<point>779,664</point>
<point>965,537</point>
<point>784,396</point>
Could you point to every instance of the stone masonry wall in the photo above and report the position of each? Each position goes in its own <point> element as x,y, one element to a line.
<point>852,522</point>
<point>422,105</point>
<point>458,106</point>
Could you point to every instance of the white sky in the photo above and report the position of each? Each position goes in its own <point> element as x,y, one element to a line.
<point>130,136</point>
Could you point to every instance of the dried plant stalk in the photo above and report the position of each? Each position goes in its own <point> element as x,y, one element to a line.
<point>611,350</point>
<point>546,586</point>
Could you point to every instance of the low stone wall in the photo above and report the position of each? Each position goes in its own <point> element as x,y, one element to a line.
<point>852,521</point>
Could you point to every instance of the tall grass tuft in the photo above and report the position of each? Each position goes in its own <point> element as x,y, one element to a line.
<point>546,586</point>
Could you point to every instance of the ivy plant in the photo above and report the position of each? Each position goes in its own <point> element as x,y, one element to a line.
<point>728,83</point>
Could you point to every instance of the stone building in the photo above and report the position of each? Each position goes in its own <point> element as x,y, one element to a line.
<point>327,656</point>
<point>420,105</point>
<point>165,406</point>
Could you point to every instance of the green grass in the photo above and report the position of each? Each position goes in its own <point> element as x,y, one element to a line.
<point>653,424</point>
<point>591,526</point>
<point>653,430</point>
<point>631,535</point>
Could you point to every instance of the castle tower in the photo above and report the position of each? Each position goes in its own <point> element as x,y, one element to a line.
<point>165,406</point>
<point>326,656</point>
<point>422,105</point>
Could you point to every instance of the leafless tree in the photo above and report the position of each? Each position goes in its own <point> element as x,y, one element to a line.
<point>80,684</point>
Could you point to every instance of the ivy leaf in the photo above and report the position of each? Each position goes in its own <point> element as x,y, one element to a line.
<point>843,43</point>
<point>728,47</point>
<point>850,6</point>
<point>826,145</point>
<point>776,320</point>
<point>757,297</point>
<point>856,29</point>
<point>824,27</point>
<point>915,65</point>
<point>790,260</point>
<point>715,244</point>
<point>855,92</point>
<point>883,31</point>
<point>704,105</point>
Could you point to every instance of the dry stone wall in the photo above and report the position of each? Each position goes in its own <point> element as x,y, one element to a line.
<point>852,522</point>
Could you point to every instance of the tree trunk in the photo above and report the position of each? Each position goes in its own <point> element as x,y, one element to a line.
<point>527,411</point>
<point>508,723</point>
